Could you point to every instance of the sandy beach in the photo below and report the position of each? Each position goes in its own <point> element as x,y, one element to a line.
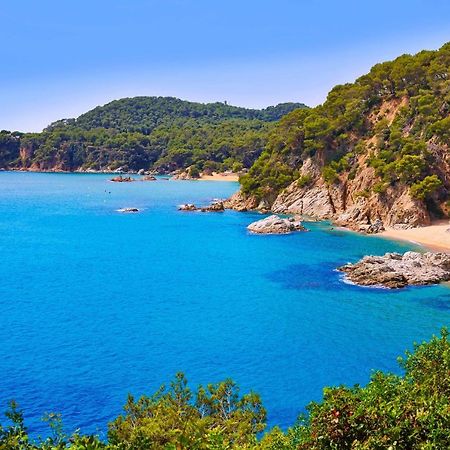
<point>434,237</point>
<point>220,177</point>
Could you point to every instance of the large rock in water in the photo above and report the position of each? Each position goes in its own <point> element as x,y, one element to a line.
<point>213,207</point>
<point>394,270</point>
<point>187,207</point>
<point>216,206</point>
<point>276,225</point>
<point>121,179</point>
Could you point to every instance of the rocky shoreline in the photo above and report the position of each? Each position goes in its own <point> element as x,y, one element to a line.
<point>355,202</point>
<point>118,171</point>
<point>276,225</point>
<point>394,270</point>
<point>217,206</point>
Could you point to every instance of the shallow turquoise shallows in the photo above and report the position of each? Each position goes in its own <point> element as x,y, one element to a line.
<point>96,304</point>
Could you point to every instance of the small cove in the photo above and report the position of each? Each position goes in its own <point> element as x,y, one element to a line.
<point>96,304</point>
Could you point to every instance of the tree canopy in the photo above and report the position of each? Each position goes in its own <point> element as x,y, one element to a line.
<point>396,116</point>
<point>158,133</point>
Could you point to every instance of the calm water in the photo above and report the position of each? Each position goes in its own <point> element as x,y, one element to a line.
<point>96,304</point>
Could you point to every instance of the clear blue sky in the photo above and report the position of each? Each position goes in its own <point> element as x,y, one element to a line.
<point>61,58</point>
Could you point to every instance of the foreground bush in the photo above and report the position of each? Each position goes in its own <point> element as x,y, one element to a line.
<point>392,412</point>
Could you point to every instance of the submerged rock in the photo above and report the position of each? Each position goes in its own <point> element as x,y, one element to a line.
<point>394,270</point>
<point>128,210</point>
<point>276,225</point>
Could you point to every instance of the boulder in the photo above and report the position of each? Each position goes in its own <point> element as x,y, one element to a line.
<point>187,207</point>
<point>375,227</point>
<point>149,178</point>
<point>214,207</point>
<point>394,270</point>
<point>276,225</point>
<point>121,179</point>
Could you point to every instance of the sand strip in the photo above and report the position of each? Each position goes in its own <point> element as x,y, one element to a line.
<point>220,177</point>
<point>435,237</point>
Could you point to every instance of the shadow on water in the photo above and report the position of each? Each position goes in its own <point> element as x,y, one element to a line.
<point>439,302</point>
<point>309,276</point>
<point>325,277</point>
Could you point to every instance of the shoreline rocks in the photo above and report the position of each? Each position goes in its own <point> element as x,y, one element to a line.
<point>213,207</point>
<point>276,225</point>
<point>187,207</point>
<point>356,202</point>
<point>217,206</point>
<point>121,179</point>
<point>394,270</point>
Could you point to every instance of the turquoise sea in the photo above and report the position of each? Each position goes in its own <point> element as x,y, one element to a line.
<point>96,304</point>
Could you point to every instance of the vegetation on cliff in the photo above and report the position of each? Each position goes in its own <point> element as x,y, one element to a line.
<point>394,120</point>
<point>411,411</point>
<point>161,133</point>
<point>144,114</point>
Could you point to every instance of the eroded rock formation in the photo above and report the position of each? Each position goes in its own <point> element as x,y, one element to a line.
<point>276,225</point>
<point>394,270</point>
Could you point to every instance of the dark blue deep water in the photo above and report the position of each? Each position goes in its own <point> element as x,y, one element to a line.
<point>96,304</point>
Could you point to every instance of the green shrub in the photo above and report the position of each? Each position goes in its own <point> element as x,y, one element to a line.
<point>380,187</point>
<point>304,180</point>
<point>194,171</point>
<point>408,411</point>
<point>330,175</point>
<point>365,193</point>
<point>409,168</point>
<point>426,187</point>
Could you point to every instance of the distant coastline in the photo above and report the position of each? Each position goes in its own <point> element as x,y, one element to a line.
<point>228,176</point>
<point>220,177</point>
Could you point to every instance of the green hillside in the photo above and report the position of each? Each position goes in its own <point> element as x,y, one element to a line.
<point>391,124</point>
<point>159,133</point>
<point>144,114</point>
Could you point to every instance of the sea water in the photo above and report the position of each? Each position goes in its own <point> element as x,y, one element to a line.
<point>96,304</point>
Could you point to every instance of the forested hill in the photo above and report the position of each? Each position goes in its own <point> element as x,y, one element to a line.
<point>144,114</point>
<point>376,150</point>
<point>150,133</point>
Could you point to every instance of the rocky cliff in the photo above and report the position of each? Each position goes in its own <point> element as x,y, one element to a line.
<point>375,153</point>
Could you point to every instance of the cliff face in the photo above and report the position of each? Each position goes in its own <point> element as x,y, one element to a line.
<point>351,199</point>
<point>376,150</point>
<point>351,202</point>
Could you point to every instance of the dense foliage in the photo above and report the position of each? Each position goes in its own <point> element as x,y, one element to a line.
<point>161,133</point>
<point>144,114</point>
<point>9,147</point>
<point>395,119</point>
<point>411,412</point>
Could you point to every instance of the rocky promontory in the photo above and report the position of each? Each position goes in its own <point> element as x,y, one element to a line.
<point>276,225</point>
<point>394,270</point>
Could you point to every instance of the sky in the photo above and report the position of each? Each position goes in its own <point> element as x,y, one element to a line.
<point>62,58</point>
